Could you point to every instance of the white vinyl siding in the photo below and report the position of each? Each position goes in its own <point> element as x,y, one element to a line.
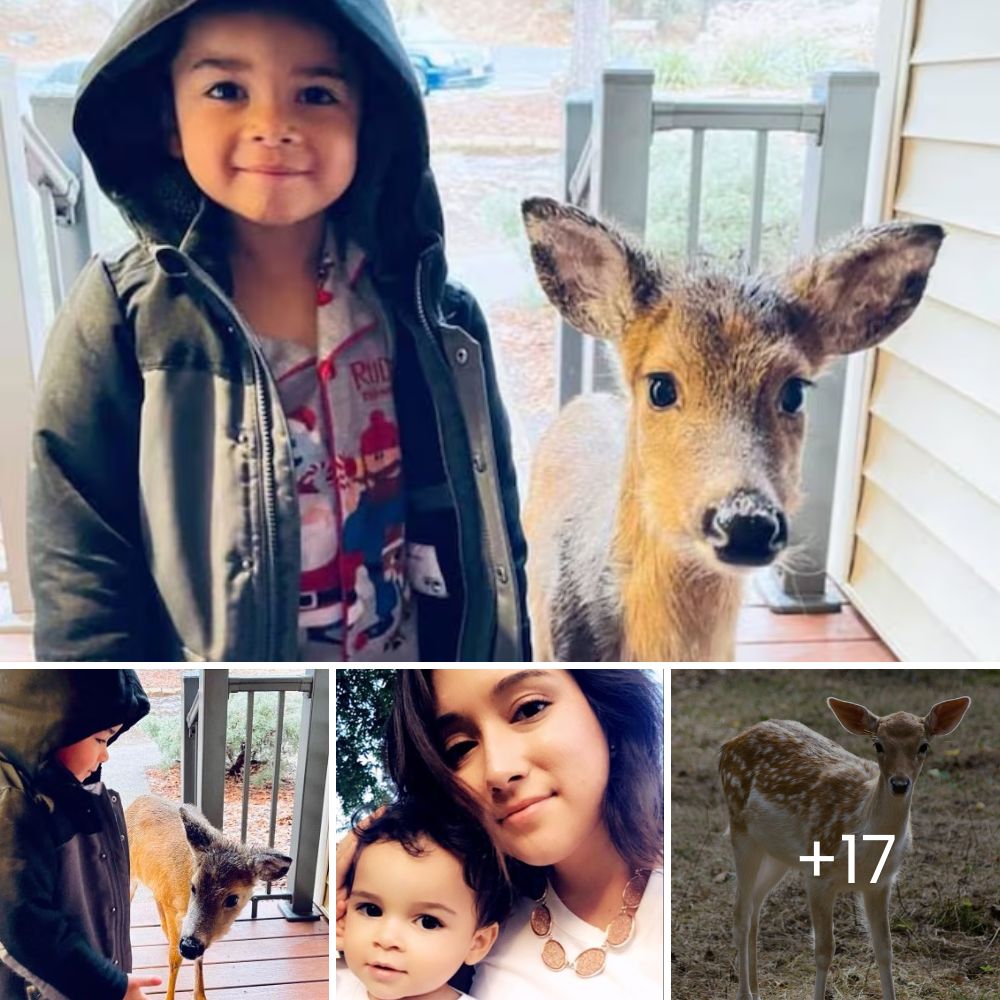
<point>926,566</point>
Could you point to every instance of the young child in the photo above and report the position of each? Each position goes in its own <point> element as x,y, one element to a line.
<point>425,897</point>
<point>270,428</point>
<point>64,869</point>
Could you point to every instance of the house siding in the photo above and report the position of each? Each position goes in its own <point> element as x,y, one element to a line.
<point>926,558</point>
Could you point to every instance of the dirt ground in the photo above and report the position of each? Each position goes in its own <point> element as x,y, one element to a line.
<point>945,912</point>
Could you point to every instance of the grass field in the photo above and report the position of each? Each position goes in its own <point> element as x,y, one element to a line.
<point>945,911</point>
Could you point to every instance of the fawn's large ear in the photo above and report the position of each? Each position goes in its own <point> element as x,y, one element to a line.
<point>201,835</point>
<point>592,273</point>
<point>945,716</point>
<point>853,294</point>
<point>854,718</point>
<point>271,865</point>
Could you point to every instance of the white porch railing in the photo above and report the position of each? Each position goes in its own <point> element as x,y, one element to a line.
<point>607,159</point>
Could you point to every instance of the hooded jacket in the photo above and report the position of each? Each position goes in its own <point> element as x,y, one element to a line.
<point>64,869</point>
<point>163,516</point>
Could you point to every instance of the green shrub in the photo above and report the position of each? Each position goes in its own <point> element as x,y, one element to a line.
<point>677,69</point>
<point>166,732</point>
<point>727,181</point>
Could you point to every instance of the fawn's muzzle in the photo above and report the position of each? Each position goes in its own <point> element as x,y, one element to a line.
<point>191,947</point>
<point>746,529</point>
<point>899,786</point>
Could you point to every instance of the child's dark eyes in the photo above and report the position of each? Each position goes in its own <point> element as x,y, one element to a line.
<point>365,908</point>
<point>226,91</point>
<point>524,712</point>
<point>429,923</point>
<point>317,95</point>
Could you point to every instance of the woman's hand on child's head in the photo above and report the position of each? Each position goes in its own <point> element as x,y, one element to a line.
<point>346,848</point>
<point>135,985</point>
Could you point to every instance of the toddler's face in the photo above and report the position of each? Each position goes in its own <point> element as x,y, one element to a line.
<point>267,110</point>
<point>85,756</point>
<point>411,922</point>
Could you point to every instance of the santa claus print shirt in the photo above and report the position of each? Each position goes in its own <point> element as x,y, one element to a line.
<point>354,600</point>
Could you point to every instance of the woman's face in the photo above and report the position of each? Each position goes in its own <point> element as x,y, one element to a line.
<point>527,744</point>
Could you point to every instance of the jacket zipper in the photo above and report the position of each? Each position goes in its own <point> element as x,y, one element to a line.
<point>422,316</point>
<point>265,422</point>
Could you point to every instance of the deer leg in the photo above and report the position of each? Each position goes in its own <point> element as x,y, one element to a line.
<point>749,858</point>
<point>770,874</point>
<point>821,900</point>
<point>199,983</point>
<point>171,924</point>
<point>877,911</point>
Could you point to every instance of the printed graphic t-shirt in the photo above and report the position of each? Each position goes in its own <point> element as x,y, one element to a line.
<point>354,599</point>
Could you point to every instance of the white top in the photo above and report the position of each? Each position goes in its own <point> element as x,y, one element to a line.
<point>514,967</point>
<point>349,987</point>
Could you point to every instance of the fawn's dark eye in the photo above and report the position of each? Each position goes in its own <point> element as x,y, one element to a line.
<point>231,901</point>
<point>662,390</point>
<point>194,891</point>
<point>793,395</point>
<point>924,747</point>
<point>879,748</point>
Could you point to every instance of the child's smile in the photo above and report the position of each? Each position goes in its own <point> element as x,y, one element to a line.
<point>267,112</point>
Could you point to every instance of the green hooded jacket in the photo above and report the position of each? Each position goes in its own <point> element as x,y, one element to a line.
<point>64,868</point>
<point>163,515</point>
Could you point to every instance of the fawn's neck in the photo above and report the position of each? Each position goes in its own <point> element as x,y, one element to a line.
<point>673,606</point>
<point>887,813</point>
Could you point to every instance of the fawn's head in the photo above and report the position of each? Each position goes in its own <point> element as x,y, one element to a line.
<point>225,873</point>
<point>717,366</point>
<point>900,740</point>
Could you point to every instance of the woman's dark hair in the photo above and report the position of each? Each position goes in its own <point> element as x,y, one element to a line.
<point>629,707</point>
<point>408,821</point>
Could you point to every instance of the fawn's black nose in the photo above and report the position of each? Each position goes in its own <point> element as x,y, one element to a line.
<point>899,786</point>
<point>746,529</point>
<point>191,947</point>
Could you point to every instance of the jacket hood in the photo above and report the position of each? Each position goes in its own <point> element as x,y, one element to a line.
<point>42,710</point>
<point>391,209</point>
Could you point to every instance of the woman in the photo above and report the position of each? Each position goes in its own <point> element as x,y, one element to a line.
<point>564,770</point>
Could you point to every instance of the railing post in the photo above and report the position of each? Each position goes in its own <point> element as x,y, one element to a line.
<point>189,743</point>
<point>579,110</point>
<point>69,240</point>
<point>310,786</point>
<point>619,183</point>
<point>833,200</point>
<point>214,685</point>
<point>21,338</point>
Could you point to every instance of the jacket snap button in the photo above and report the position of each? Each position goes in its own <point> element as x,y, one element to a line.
<point>114,909</point>
<point>461,355</point>
<point>478,463</point>
<point>501,573</point>
<point>103,855</point>
<point>247,563</point>
<point>243,438</point>
<point>113,799</point>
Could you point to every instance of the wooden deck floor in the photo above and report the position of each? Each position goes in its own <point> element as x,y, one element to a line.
<point>263,959</point>
<point>761,636</point>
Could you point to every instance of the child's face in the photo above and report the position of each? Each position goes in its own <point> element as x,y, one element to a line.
<point>85,756</point>
<point>267,111</point>
<point>411,922</point>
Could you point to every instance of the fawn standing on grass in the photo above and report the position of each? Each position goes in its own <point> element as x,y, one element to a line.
<point>646,509</point>
<point>788,788</point>
<point>196,874</point>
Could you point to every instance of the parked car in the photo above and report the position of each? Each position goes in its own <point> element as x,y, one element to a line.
<point>440,60</point>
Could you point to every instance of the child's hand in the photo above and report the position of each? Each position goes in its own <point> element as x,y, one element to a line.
<point>346,848</point>
<point>135,985</point>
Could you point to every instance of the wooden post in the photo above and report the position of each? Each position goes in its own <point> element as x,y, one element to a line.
<point>22,332</point>
<point>833,201</point>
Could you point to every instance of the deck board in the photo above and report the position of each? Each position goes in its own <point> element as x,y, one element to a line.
<point>267,958</point>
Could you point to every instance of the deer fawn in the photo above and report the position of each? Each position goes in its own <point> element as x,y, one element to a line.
<point>788,788</point>
<point>645,510</point>
<point>196,874</point>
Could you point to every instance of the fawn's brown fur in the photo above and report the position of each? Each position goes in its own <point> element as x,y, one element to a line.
<point>646,508</point>
<point>200,878</point>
